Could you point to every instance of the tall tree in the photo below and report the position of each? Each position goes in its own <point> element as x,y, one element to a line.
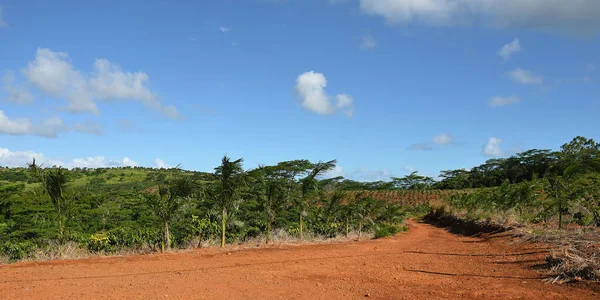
<point>54,182</point>
<point>414,181</point>
<point>166,202</point>
<point>230,176</point>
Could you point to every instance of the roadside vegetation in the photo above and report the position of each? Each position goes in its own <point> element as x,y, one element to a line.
<point>547,196</point>
<point>48,212</point>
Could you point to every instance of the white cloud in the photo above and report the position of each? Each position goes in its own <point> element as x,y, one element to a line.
<point>509,49</point>
<point>345,102</point>
<point>21,158</point>
<point>310,86</point>
<point>23,126</point>
<point>443,139</point>
<point>224,28</point>
<point>53,73</point>
<point>367,42</point>
<point>15,94</point>
<point>525,77</point>
<point>109,82</point>
<point>493,148</point>
<point>578,17</point>
<point>159,163</point>
<point>498,101</point>
<point>2,22</point>
<point>89,127</point>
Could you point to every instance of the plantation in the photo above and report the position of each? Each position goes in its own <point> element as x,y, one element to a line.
<point>51,212</point>
<point>44,211</point>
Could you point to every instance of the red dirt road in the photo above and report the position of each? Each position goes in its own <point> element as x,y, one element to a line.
<point>424,263</point>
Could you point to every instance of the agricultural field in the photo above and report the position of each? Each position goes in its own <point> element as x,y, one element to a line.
<point>52,213</point>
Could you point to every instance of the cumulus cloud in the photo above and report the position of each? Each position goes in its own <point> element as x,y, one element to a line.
<point>367,42</point>
<point>23,126</point>
<point>224,29</point>
<point>109,82</point>
<point>310,86</point>
<point>580,17</point>
<point>493,148</point>
<point>523,76</point>
<point>442,139</point>
<point>509,49</point>
<point>161,164</point>
<point>53,73</point>
<point>14,93</point>
<point>2,22</point>
<point>21,158</point>
<point>499,101</point>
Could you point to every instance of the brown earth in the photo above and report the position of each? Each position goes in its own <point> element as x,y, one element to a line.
<point>424,263</point>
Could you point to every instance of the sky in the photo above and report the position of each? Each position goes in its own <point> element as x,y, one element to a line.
<point>386,87</point>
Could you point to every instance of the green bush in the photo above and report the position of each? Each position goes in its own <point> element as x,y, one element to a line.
<point>18,250</point>
<point>386,230</point>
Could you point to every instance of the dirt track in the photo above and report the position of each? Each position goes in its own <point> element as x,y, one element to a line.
<point>424,263</point>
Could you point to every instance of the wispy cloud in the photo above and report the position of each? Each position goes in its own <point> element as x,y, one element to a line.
<point>509,49</point>
<point>499,101</point>
<point>526,77</point>
<point>367,42</point>
<point>223,28</point>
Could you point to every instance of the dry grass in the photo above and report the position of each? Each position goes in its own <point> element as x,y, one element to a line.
<point>576,262</point>
<point>576,253</point>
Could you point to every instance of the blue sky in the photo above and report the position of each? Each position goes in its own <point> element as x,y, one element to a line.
<point>383,86</point>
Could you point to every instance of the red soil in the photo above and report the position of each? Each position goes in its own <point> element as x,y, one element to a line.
<point>424,263</point>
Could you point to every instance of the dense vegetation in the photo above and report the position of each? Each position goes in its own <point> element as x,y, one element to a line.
<point>536,186</point>
<point>112,209</point>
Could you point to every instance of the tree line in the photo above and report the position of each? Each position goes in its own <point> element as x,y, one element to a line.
<point>106,210</point>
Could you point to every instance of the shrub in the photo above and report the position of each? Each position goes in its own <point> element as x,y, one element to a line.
<point>18,250</point>
<point>386,230</point>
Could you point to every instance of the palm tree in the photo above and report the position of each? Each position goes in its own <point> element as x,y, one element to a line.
<point>310,187</point>
<point>54,182</point>
<point>166,203</point>
<point>230,175</point>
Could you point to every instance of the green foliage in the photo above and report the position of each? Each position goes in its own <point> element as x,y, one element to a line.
<point>386,230</point>
<point>203,229</point>
<point>18,250</point>
<point>114,209</point>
